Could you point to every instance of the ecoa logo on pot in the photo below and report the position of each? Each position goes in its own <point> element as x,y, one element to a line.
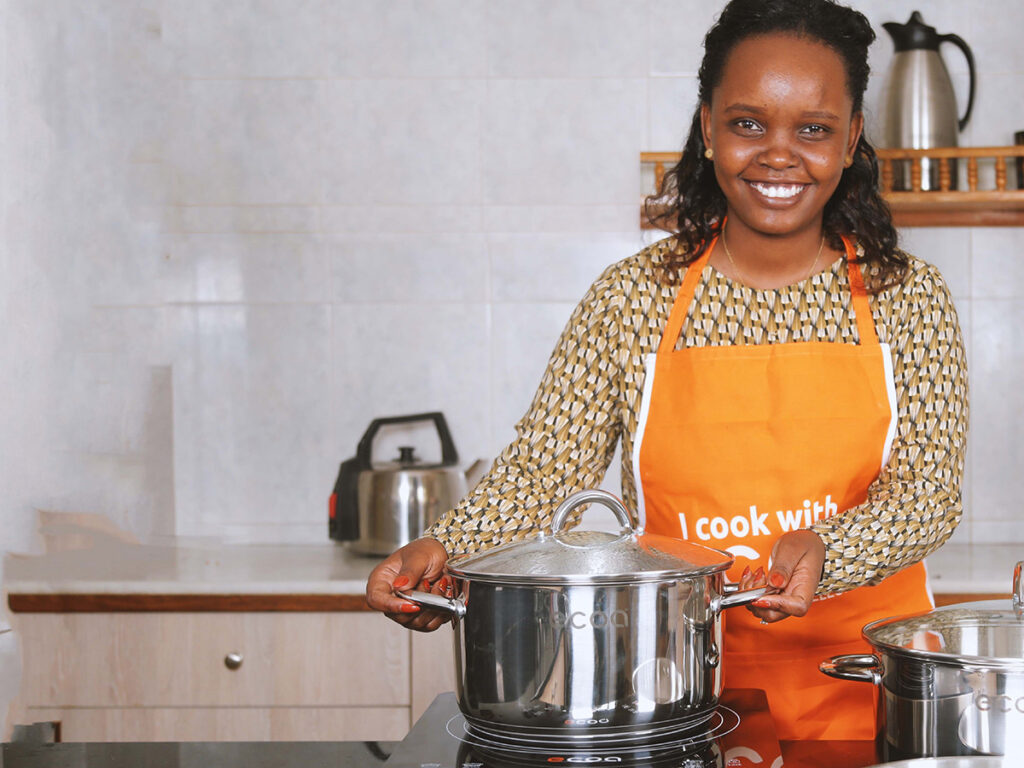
<point>597,619</point>
<point>588,760</point>
<point>998,703</point>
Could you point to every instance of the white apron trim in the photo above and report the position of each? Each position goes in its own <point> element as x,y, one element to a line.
<point>927,582</point>
<point>894,407</point>
<point>638,441</point>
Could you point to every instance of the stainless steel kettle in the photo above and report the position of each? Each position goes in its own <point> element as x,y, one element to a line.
<point>919,105</point>
<point>380,506</point>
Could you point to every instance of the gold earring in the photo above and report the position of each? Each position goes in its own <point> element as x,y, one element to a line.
<point>709,153</point>
<point>849,160</point>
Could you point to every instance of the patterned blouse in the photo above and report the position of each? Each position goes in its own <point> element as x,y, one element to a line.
<point>589,399</point>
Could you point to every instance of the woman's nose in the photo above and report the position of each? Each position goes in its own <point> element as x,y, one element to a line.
<point>778,154</point>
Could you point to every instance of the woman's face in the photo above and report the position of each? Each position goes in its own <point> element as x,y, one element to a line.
<point>782,128</point>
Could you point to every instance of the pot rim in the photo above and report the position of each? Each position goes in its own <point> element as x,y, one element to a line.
<point>565,580</point>
<point>955,617</point>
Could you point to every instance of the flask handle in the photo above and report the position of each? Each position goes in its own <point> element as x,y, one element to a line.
<point>959,43</point>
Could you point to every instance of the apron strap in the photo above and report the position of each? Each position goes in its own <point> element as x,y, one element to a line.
<point>861,305</point>
<point>682,303</point>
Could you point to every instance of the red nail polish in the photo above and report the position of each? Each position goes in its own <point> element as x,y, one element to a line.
<point>425,586</point>
<point>777,580</point>
<point>410,608</point>
<point>761,604</point>
<point>400,582</point>
<point>746,572</point>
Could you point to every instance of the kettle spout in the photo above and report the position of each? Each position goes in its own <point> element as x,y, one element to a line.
<point>476,471</point>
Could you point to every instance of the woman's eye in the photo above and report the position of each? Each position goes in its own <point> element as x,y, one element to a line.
<point>815,130</point>
<point>747,125</point>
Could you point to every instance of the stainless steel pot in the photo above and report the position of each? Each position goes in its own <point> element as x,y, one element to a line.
<point>588,635</point>
<point>950,681</point>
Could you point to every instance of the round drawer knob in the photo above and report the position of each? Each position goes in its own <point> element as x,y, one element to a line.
<point>233,660</point>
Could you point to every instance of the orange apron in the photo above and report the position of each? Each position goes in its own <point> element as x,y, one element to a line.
<point>739,444</point>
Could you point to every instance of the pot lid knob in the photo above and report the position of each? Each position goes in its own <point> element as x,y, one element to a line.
<point>405,454</point>
<point>623,515</point>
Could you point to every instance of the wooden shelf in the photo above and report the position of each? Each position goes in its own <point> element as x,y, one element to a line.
<point>944,207</point>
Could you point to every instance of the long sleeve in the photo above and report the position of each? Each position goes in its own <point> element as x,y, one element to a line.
<point>565,441</point>
<point>914,505</point>
<point>591,394</point>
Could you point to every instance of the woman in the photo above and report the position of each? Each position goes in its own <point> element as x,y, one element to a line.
<point>787,384</point>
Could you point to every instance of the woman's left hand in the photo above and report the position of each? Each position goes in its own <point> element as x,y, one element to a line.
<point>796,563</point>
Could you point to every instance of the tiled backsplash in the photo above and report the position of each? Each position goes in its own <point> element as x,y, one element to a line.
<point>238,231</point>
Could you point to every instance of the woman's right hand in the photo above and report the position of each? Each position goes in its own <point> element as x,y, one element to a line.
<point>417,565</point>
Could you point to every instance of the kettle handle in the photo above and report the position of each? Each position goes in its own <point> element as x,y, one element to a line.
<point>448,453</point>
<point>959,43</point>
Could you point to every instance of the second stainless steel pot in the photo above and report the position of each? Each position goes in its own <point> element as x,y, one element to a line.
<point>588,635</point>
<point>950,681</point>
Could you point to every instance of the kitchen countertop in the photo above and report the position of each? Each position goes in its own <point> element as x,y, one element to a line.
<point>311,577</point>
<point>195,567</point>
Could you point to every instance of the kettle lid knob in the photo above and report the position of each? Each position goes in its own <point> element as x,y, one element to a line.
<point>914,35</point>
<point>405,454</point>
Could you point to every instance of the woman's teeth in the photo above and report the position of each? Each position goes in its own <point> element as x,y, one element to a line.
<point>778,190</point>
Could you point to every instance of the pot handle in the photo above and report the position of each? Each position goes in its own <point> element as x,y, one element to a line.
<point>595,496</point>
<point>1018,589</point>
<point>859,667</point>
<point>734,597</point>
<point>451,605</point>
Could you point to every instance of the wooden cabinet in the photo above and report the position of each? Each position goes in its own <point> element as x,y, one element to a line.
<point>228,676</point>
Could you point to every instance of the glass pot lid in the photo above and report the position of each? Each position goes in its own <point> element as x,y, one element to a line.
<point>955,635</point>
<point>591,557</point>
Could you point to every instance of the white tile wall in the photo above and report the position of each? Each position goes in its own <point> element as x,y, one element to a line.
<point>236,232</point>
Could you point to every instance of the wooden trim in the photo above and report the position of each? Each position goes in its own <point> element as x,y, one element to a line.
<point>972,207</point>
<point>951,598</point>
<point>183,603</point>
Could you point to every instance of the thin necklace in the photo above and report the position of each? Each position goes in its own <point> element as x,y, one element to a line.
<point>739,274</point>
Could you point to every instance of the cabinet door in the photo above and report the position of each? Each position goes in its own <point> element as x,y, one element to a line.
<point>180,659</point>
<point>433,667</point>
<point>227,723</point>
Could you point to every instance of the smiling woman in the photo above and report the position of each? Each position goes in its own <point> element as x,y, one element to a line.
<point>778,136</point>
<point>787,384</point>
<point>781,129</point>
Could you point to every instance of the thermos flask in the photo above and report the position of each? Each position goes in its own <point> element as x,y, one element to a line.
<point>919,105</point>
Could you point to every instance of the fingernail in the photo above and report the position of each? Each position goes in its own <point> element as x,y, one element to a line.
<point>746,572</point>
<point>410,608</point>
<point>762,604</point>
<point>777,580</point>
<point>400,582</point>
<point>446,583</point>
<point>759,573</point>
<point>425,586</point>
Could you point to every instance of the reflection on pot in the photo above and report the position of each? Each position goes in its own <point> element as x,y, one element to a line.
<point>994,722</point>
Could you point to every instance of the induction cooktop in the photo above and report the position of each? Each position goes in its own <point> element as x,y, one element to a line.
<point>740,733</point>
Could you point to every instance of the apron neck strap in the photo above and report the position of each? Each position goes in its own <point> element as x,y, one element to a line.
<point>683,300</point>
<point>861,305</point>
<point>859,294</point>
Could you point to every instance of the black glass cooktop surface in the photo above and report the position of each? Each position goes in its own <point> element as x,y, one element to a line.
<point>740,733</point>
